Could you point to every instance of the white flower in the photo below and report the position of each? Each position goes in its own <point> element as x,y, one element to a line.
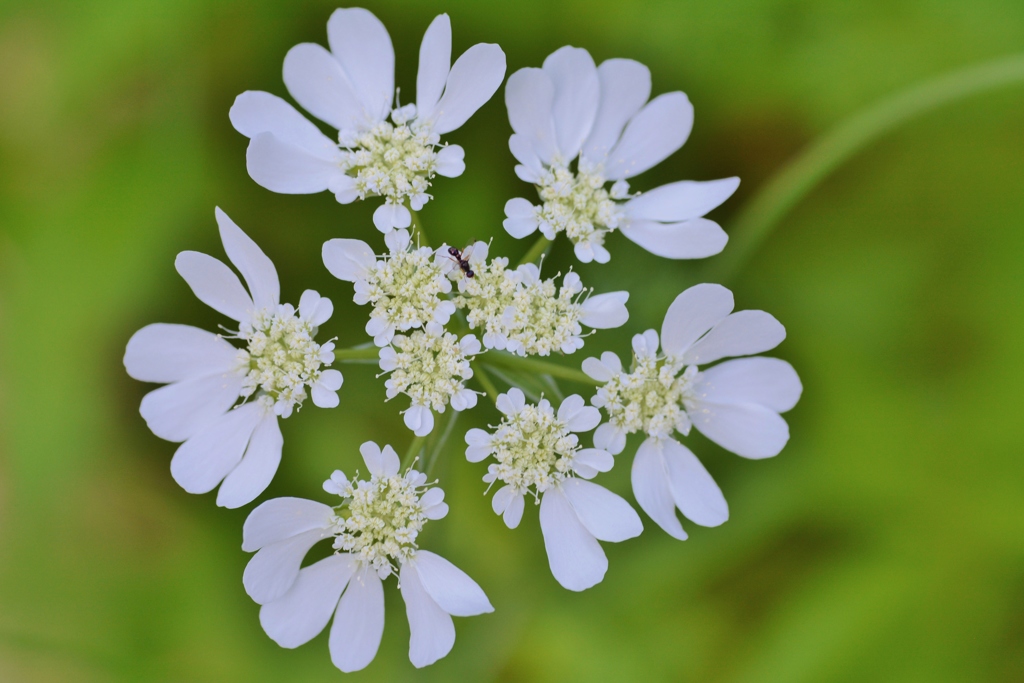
<point>429,366</point>
<point>521,313</point>
<point>736,404</point>
<point>537,452</point>
<point>206,375</point>
<point>351,87</point>
<point>374,528</point>
<point>404,288</point>
<point>570,110</point>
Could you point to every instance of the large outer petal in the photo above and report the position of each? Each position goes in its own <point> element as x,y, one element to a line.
<point>281,518</point>
<point>529,97</point>
<point>625,86</point>
<point>358,623</point>
<point>693,489</point>
<point>746,429</point>
<point>431,631</point>
<point>651,488</point>
<point>475,76</point>
<point>316,80</point>
<point>214,284</point>
<point>258,270</point>
<point>693,313</point>
<point>658,130</point>
<point>348,259</point>
<point>178,411</point>
<point>435,63</point>
<point>572,71</point>
<point>605,515</point>
<point>258,467</point>
<point>450,587</point>
<point>272,571</point>
<point>256,112</point>
<point>363,47</point>
<point>769,382</point>
<point>681,200</point>
<point>286,169</point>
<point>694,238</point>
<point>164,352</point>
<point>205,459</point>
<point>574,555</point>
<point>743,333</point>
<point>300,614</point>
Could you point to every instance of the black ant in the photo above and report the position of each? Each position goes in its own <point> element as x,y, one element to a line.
<point>462,258</point>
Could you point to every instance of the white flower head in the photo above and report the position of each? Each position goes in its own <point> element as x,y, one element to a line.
<point>526,315</point>
<point>374,532</point>
<point>351,87</point>
<point>430,366</point>
<point>537,452</point>
<point>579,127</point>
<point>736,404</point>
<point>279,367</point>
<point>405,287</point>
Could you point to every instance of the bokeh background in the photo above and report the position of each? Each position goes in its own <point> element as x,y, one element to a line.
<point>886,543</point>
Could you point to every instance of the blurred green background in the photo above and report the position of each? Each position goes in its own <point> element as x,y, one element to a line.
<point>886,543</point>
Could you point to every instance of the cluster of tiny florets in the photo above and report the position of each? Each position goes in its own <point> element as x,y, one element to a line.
<point>395,161</point>
<point>281,357</point>
<point>533,448</point>
<point>578,205</point>
<point>405,290</point>
<point>429,368</point>
<point>651,398</point>
<point>379,520</point>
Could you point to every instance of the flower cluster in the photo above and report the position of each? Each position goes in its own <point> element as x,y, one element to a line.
<point>441,320</point>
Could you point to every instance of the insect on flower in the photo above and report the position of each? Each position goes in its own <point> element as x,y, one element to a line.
<point>461,257</point>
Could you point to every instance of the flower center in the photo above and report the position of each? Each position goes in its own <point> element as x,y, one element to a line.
<point>577,204</point>
<point>380,520</point>
<point>392,161</point>
<point>404,289</point>
<point>428,368</point>
<point>534,449</point>
<point>282,357</point>
<point>649,399</point>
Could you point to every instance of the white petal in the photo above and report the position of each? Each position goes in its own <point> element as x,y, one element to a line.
<point>740,334</point>
<point>388,216</point>
<point>205,459</point>
<point>331,379</point>
<point>583,418</point>
<point>316,80</point>
<point>625,86</point>
<point>502,498</point>
<point>746,429</point>
<point>358,623</point>
<point>284,168</point>
<point>439,511</point>
<point>694,491</point>
<point>769,382</point>
<point>680,201</point>
<point>522,150</point>
<point>574,555</point>
<point>431,631</point>
<point>180,410</point>
<point>435,62</point>
<point>272,571</point>
<point>646,345</point>
<point>300,614</point>
<point>529,97</point>
<point>695,238</point>
<point>389,462</point>
<point>259,464</point>
<point>362,45</point>
<point>574,75</point>
<point>373,457</point>
<point>256,112</point>
<point>693,313</point>
<point>258,270</point>
<point>658,130</point>
<point>419,419</point>
<point>605,311</point>
<point>522,219</point>
<point>451,161</point>
<point>651,488</point>
<point>450,587</point>
<point>605,515</point>
<point>514,511</point>
<point>324,397</point>
<point>512,401</point>
<point>474,78</point>
<point>163,352</point>
<point>610,438</point>
<point>431,497</point>
<point>214,284</point>
<point>596,458</point>
<point>314,308</point>
<point>597,370</point>
<point>348,260</point>
<point>281,518</point>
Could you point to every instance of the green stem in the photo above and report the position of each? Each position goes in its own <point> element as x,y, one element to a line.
<point>418,232</point>
<point>485,381</point>
<point>536,251</point>
<point>356,353</point>
<point>507,360</point>
<point>775,199</point>
<point>414,449</point>
<point>439,446</point>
